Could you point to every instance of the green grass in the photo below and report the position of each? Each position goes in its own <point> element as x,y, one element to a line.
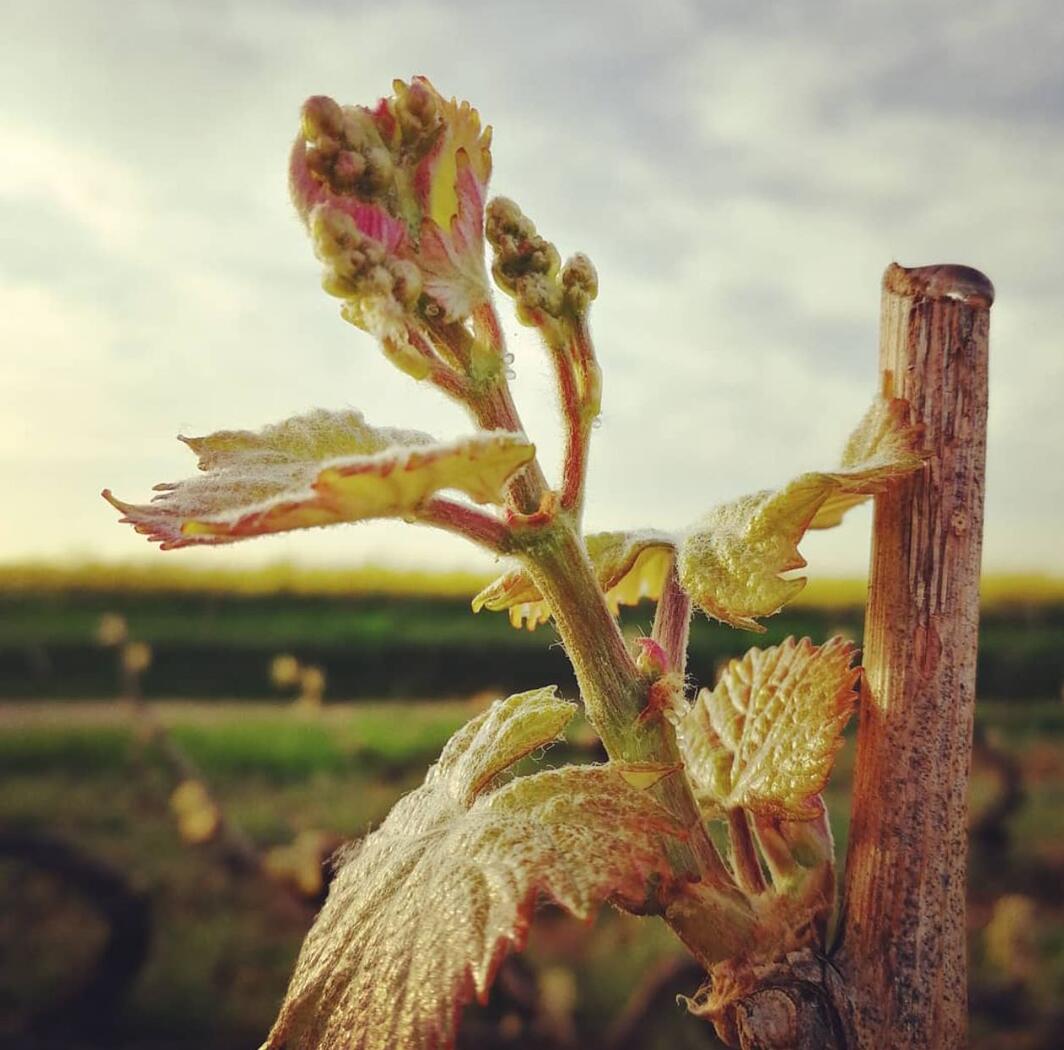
<point>191,619</point>
<point>224,947</point>
<point>270,740</point>
<point>216,646</point>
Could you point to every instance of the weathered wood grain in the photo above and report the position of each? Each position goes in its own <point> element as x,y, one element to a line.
<point>903,936</point>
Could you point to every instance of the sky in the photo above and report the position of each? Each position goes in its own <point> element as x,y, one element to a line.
<point>741,174</point>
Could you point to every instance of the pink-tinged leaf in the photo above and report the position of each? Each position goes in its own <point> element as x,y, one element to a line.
<point>375,222</point>
<point>318,469</point>
<point>452,258</point>
<point>766,737</point>
<point>629,567</point>
<point>885,446</point>
<point>436,177</point>
<point>305,189</point>
<point>515,592</point>
<point>309,192</point>
<point>732,562</point>
<point>423,911</point>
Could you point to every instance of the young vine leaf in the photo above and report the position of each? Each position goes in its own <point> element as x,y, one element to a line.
<point>422,912</point>
<point>732,561</point>
<point>766,737</point>
<point>318,469</point>
<point>629,566</point>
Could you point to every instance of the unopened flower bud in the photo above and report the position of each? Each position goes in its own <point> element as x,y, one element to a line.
<point>526,264</point>
<point>321,117</point>
<point>329,145</point>
<point>319,161</point>
<point>536,294</point>
<point>347,169</point>
<point>505,217</point>
<point>408,282</point>
<point>519,249</point>
<point>417,112</point>
<point>356,265</point>
<point>378,281</point>
<point>334,232</point>
<point>338,287</point>
<point>344,148</point>
<point>580,281</point>
<point>650,657</point>
<point>379,170</point>
<point>358,130</point>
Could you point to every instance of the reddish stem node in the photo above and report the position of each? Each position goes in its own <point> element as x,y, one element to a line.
<point>471,522</point>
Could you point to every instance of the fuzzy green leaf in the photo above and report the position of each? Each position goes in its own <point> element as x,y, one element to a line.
<point>318,469</point>
<point>422,912</point>
<point>732,562</point>
<point>766,737</point>
<point>629,566</point>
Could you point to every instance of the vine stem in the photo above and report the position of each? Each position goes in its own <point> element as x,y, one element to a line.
<point>611,686</point>
<point>671,630</point>
<point>672,621</point>
<point>580,392</point>
<point>615,693</point>
<point>474,524</point>
<point>745,860</point>
<point>548,541</point>
<point>577,435</point>
<point>493,408</point>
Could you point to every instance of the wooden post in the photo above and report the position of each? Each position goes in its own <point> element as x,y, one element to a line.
<point>902,950</point>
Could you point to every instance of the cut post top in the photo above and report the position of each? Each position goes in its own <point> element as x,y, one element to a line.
<point>943,281</point>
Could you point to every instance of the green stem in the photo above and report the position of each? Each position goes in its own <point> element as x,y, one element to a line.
<point>782,866</point>
<point>672,621</point>
<point>613,690</point>
<point>745,860</point>
<point>472,523</point>
<point>672,625</point>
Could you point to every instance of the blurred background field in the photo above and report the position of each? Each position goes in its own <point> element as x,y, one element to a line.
<point>191,941</point>
<point>386,633</point>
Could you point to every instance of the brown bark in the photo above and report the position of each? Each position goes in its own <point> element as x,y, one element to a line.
<point>898,977</point>
<point>903,943</point>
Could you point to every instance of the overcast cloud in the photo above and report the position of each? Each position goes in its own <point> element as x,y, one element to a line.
<point>740,173</point>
